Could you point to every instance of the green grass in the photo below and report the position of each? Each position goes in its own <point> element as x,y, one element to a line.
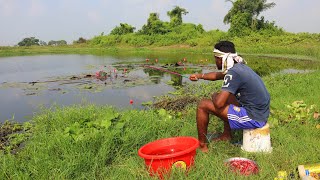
<point>288,45</point>
<point>100,142</point>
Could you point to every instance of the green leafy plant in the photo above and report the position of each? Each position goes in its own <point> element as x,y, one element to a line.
<point>299,111</point>
<point>296,112</point>
<point>86,128</point>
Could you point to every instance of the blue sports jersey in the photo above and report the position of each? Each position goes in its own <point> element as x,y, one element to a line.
<point>249,89</point>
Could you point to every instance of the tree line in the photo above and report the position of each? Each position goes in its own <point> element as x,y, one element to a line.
<point>32,41</point>
<point>243,18</point>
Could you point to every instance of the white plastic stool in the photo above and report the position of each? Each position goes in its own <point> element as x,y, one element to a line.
<point>257,140</point>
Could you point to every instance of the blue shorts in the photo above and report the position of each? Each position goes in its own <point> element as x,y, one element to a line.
<point>239,119</point>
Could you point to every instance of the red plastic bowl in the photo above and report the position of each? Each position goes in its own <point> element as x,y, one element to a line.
<point>163,154</point>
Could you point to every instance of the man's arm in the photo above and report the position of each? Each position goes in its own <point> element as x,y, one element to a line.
<point>212,76</point>
<point>220,99</point>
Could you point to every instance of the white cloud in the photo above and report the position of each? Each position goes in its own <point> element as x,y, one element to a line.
<point>94,17</point>
<point>36,8</point>
<point>7,7</point>
<point>220,7</point>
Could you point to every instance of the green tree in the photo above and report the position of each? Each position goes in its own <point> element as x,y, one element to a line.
<point>154,25</point>
<point>247,11</point>
<point>30,41</point>
<point>62,43</point>
<point>81,40</point>
<point>176,15</point>
<point>42,43</point>
<point>124,28</point>
<point>57,43</point>
<point>240,24</point>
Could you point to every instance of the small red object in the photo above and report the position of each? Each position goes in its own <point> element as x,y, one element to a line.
<point>131,101</point>
<point>114,70</point>
<point>98,74</point>
<point>124,70</point>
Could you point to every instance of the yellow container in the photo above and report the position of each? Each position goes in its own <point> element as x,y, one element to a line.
<point>282,175</point>
<point>311,170</point>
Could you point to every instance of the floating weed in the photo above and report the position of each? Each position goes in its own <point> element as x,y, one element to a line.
<point>148,103</point>
<point>170,82</point>
<point>296,112</point>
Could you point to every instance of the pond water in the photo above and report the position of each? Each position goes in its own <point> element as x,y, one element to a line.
<point>28,83</point>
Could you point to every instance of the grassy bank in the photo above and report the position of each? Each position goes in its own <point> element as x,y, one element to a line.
<point>301,45</point>
<point>94,142</point>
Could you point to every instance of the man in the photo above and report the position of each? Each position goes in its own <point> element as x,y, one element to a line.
<point>243,102</point>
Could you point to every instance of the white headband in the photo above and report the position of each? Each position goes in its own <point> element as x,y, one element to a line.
<point>219,53</point>
<point>228,59</point>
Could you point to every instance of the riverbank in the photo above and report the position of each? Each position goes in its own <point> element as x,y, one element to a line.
<point>100,142</point>
<point>305,51</point>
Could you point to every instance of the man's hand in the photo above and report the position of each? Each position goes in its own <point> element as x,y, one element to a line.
<point>194,77</point>
<point>220,99</point>
<point>214,95</point>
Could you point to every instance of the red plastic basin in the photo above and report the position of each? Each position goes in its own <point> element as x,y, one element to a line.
<point>163,154</point>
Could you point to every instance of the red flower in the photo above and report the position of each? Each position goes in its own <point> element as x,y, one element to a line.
<point>131,101</point>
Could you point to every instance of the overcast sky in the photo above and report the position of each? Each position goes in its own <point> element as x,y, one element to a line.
<point>70,19</point>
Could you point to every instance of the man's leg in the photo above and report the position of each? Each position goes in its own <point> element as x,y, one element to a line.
<point>226,135</point>
<point>207,107</point>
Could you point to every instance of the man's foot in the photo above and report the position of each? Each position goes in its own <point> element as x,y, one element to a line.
<point>222,137</point>
<point>204,147</point>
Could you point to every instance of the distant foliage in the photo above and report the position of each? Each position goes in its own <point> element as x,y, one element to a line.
<point>124,28</point>
<point>42,43</point>
<point>240,24</point>
<point>250,33</point>
<point>243,17</point>
<point>176,15</point>
<point>154,26</point>
<point>30,41</point>
<point>81,40</point>
<point>57,43</point>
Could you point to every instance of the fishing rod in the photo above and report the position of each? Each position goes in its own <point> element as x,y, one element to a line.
<point>161,69</point>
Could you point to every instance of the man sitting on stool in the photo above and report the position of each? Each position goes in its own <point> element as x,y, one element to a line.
<point>243,103</point>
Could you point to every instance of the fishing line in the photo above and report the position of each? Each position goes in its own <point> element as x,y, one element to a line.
<point>161,69</point>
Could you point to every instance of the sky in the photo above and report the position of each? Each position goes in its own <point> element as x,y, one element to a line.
<point>70,19</point>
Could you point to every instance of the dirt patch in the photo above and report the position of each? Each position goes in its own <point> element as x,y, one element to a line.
<point>176,104</point>
<point>13,135</point>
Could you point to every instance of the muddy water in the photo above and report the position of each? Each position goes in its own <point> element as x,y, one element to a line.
<point>28,83</point>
